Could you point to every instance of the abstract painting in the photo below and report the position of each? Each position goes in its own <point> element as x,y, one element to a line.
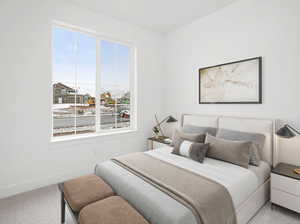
<point>238,82</point>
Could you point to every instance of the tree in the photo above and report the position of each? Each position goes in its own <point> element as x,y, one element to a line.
<point>106,97</point>
<point>125,98</point>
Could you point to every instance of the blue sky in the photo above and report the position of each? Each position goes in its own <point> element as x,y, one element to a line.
<point>76,51</point>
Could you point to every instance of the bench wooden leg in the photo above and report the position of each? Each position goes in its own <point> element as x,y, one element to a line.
<point>63,208</point>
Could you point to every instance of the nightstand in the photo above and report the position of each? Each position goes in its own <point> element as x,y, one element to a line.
<point>285,187</point>
<point>154,143</point>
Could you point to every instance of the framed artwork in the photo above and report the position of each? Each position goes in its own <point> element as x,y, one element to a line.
<point>238,82</point>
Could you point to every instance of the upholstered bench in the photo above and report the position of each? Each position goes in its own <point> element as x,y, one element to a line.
<point>82,191</point>
<point>112,210</point>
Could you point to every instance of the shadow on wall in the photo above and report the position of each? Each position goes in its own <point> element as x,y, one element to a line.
<point>289,150</point>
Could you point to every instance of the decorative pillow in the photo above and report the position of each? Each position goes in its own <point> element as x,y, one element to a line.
<point>194,150</point>
<point>198,129</point>
<point>254,155</point>
<point>236,152</point>
<point>257,139</point>
<point>192,129</point>
<point>179,136</point>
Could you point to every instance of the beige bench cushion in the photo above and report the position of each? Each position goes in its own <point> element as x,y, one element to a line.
<point>112,210</point>
<point>84,190</point>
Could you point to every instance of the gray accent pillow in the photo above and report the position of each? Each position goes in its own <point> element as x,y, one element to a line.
<point>236,152</point>
<point>180,136</point>
<point>194,150</point>
<point>257,139</point>
<point>254,157</point>
<point>198,129</point>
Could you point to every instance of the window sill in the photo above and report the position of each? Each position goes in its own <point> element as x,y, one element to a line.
<point>90,136</point>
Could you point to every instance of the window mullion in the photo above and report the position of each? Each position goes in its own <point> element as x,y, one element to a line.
<point>116,110</point>
<point>133,88</point>
<point>98,85</point>
<point>76,47</point>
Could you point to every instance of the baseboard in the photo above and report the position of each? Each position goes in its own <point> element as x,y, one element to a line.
<point>14,189</point>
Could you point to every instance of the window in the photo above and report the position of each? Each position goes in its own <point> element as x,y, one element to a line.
<point>93,84</point>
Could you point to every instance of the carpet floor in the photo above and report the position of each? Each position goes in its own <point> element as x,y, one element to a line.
<point>42,206</point>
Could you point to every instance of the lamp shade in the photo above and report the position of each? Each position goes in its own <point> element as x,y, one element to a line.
<point>285,132</point>
<point>171,119</point>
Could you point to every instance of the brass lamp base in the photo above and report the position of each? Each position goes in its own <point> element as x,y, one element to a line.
<point>160,137</point>
<point>297,171</point>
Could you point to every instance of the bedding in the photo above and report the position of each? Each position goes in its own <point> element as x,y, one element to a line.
<point>262,172</point>
<point>198,129</point>
<point>194,150</point>
<point>236,152</point>
<point>180,136</point>
<point>213,204</point>
<point>257,139</point>
<point>158,207</point>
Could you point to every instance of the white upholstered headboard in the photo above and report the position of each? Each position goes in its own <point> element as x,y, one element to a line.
<point>200,120</point>
<point>246,124</point>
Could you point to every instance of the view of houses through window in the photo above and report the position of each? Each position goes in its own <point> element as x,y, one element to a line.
<point>83,102</point>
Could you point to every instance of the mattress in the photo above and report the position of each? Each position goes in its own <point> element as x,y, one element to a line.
<point>157,207</point>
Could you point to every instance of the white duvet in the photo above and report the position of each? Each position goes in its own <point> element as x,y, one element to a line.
<point>240,182</point>
<point>159,208</point>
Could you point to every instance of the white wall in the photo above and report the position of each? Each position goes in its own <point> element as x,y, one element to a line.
<point>27,159</point>
<point>246,28</point>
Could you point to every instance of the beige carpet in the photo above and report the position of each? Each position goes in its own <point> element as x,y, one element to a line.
<point>42,206</point>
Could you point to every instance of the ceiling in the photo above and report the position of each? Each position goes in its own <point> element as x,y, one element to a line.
<point>158,15</point>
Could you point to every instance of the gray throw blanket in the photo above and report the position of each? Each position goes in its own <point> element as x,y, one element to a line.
<point>209,201</point>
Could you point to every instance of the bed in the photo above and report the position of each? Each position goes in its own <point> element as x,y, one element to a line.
<point>248,188</point>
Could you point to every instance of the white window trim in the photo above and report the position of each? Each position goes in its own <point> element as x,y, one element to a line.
<point>132,85</point>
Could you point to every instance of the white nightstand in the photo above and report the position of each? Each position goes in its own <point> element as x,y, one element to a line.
<point>154,143</point>
<point>285,187</point>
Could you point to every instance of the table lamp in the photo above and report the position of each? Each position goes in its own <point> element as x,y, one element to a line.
<point>157,128</point>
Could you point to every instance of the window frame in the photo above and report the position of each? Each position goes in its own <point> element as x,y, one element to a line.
<point>132,84</point>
